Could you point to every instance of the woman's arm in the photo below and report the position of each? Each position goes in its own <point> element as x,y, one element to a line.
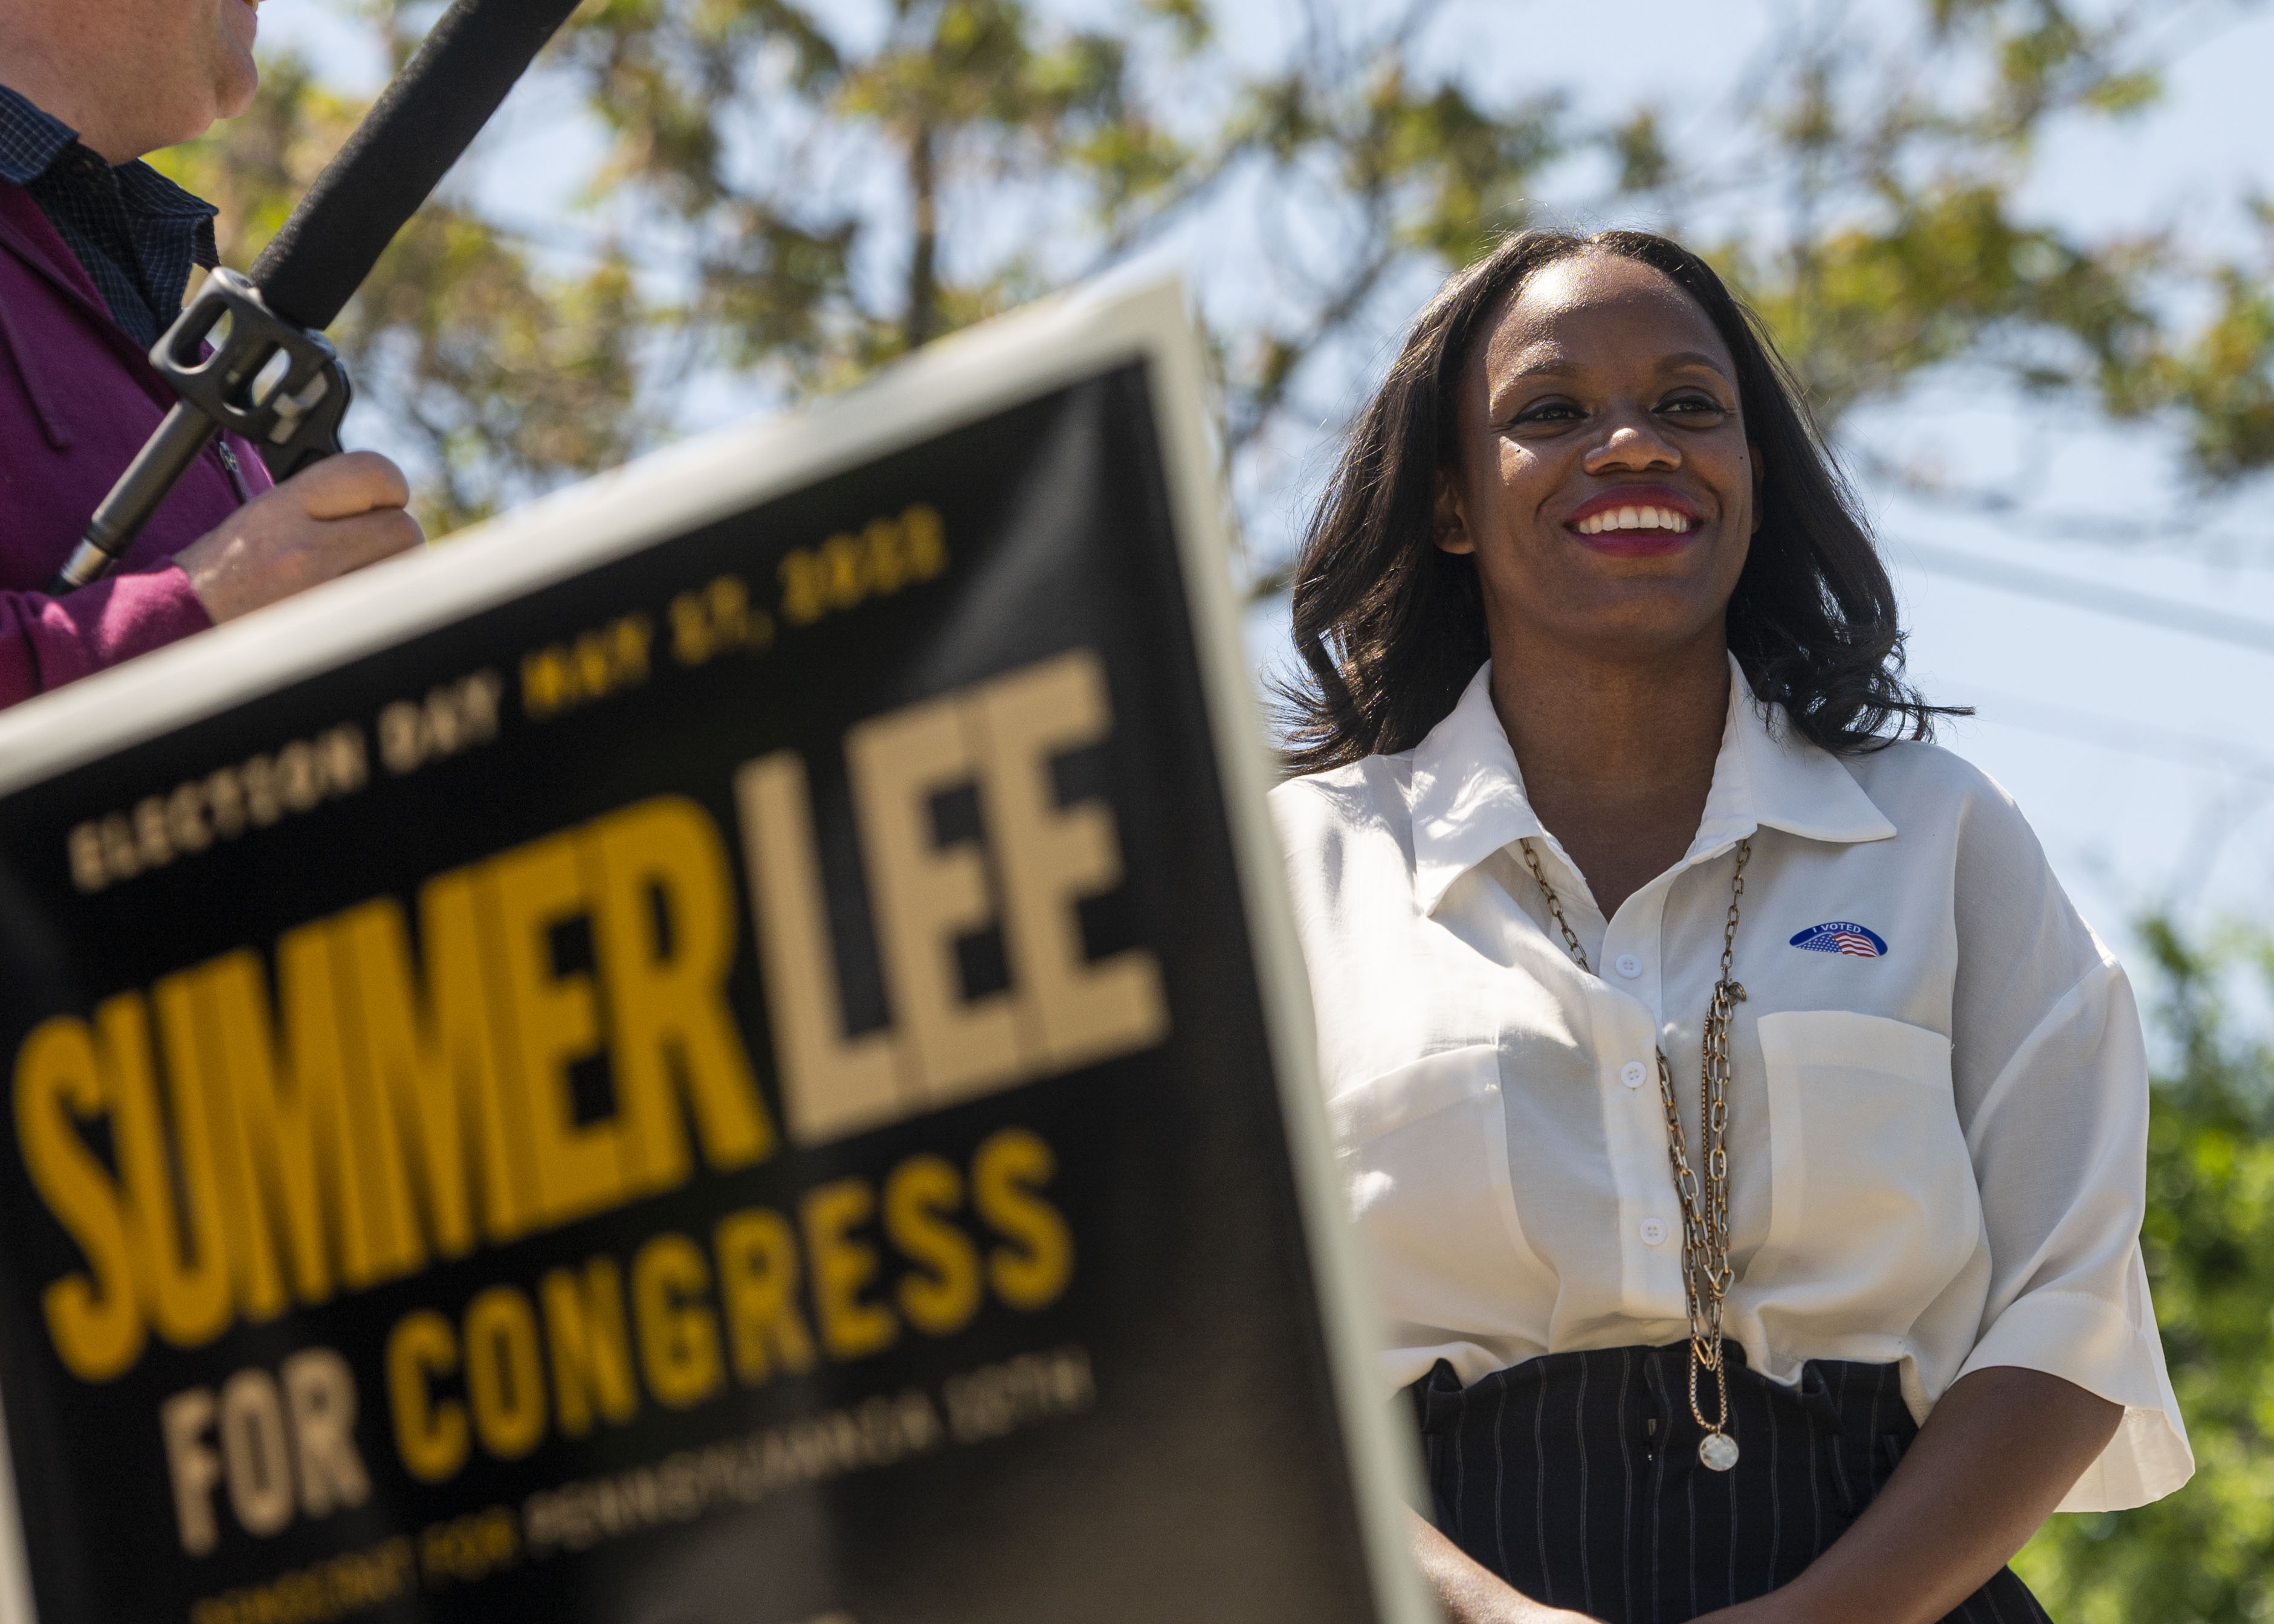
<point>1991,1464</point>
<point>1470,1593</point>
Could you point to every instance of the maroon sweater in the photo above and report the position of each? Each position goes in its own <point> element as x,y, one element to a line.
<point>78,398</point>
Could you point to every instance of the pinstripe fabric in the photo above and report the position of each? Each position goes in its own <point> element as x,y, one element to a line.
<point>1575,1476</point>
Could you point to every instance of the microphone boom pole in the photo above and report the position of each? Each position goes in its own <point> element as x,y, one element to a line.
<point>271,376</point>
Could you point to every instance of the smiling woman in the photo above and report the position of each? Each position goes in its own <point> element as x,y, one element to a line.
<point>1812,620</point>
<point>1612,759</point>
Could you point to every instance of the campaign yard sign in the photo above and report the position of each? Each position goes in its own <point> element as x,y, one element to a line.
<point>725,1051</point>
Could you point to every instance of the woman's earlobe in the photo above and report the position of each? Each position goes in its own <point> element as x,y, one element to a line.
<point>1447,528</point>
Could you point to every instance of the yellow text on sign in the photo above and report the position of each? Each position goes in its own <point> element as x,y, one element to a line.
<point>589,666</point>
<point>369,1118</point>
<point>1038,861</point>
<point>886,555</point>
<point>690,1317</point>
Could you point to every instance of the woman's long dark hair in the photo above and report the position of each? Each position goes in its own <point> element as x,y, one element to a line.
<point>1391,627</point>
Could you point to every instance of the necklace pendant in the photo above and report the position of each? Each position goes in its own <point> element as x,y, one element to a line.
<point>1718,1451</point>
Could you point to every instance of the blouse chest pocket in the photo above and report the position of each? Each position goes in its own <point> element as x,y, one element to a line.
<point>1424,1154</point>
<point>1874,1209</point>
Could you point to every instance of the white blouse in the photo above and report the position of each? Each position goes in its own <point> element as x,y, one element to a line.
<point>1939,1099</point>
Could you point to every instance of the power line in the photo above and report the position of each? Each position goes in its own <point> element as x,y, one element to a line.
<point>2147,739</point>
<point>2144,738</point>
<point>2169,614</point>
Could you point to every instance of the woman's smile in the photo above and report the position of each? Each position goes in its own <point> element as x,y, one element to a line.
<point>1636,520</point>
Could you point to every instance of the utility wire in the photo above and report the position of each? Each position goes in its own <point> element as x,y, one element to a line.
<point>2146,738</point>
<point>2170,615</point>
<point>2133,738</point>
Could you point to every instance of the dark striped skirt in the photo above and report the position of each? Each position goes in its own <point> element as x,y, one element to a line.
<point>1575,1477</point>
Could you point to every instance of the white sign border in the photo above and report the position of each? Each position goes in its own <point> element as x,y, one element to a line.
<point>959,380</point>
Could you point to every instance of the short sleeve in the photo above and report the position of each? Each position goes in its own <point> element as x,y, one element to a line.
<point>2052,1080</point>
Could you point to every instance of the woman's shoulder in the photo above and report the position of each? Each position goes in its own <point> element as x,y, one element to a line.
<point>1956,814</point>
<point>1372,795</point>
<point>1347,833</point>
<point>1930,782</point>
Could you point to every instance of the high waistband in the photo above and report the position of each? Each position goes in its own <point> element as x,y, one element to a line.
<point>1575,1476</point>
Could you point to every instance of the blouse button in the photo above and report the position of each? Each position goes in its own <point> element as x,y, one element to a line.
<point>1628,966</point>
<point>1632,1074</point>
<point>1653,1231</point>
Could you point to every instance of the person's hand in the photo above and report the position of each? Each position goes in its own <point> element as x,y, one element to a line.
<point>339,516</point>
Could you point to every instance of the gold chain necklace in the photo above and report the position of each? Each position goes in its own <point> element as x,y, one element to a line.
<point>1705,1272</point>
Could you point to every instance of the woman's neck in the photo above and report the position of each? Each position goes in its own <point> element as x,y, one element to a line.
<point>1617,755</point>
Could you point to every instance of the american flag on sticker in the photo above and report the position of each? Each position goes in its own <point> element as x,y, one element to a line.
<point>1842,935</point>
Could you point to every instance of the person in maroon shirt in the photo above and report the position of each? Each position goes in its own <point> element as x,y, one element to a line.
<point>94,246</point>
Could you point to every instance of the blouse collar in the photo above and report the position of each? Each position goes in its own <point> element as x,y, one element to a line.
<point>1468,797</point>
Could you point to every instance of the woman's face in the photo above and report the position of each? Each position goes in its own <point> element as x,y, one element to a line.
<point>1605,486</point>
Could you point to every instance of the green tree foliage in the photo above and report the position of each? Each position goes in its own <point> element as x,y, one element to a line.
<point>1087,143</point>
<point>1900,167</point>
<point>813,190</point>
<point>2207,1552</point>
<point>505,378</point>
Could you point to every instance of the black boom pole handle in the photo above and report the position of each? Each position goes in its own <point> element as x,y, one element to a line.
<point>389,167</point>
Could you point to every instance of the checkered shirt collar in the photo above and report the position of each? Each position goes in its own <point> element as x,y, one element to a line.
<point>32,140</point>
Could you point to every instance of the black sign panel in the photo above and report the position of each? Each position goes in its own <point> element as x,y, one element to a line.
<point>731,1084</point>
